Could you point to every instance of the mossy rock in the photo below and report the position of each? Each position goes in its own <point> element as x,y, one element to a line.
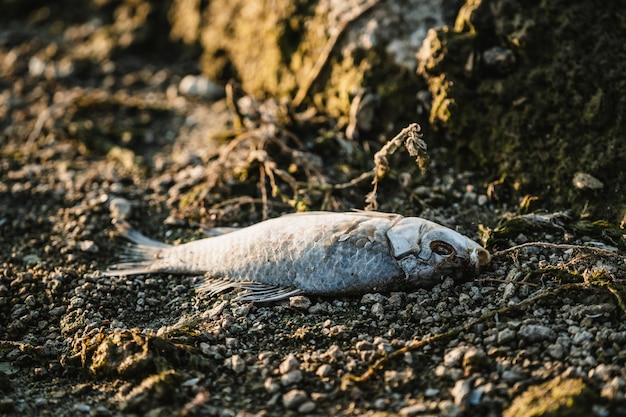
<point>272,48</point>
<point>555,398</point>
<point>535,93</point>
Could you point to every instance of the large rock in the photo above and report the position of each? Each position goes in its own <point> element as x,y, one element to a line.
<point>273,46</point>
<point>535,93</point>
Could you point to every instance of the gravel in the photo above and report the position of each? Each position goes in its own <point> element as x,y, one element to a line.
<point>75,343</point>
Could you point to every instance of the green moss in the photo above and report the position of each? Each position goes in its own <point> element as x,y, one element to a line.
<point>555,398</point>
<point>556,112</point>
<point>289,37</point>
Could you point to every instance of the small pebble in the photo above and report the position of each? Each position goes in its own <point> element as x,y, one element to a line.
<point>291,378</point>
<point>413,410</point>
<point>371,298</point>
<point>84,408</point>
<point>231,342</point>
<point>31,259</point>
<point>506,336</point>
<point>271,386</point>
<point>306,407</point>
<point>319,308</point>
<point>290,363</point>
<point>30,301</point>
<point>536,333</point>
<point>200,86</point>
<point>378,311</point>
<point>556,351</point>
<point>36,67</point>
<point>380,404</point>
<point>500,60</point>
<point>614,389</point>
<point>475,360</point>
<point>190,382</point>
<point>512,376</point>
<point>241,311</point>
<point>364,345</point>
<point>449,409</point>
<point>324,370</point>
<point>509,290</point>
<point>102,411</point>
<point>584,181</point>
<point>294,399</point>
<point>335,354</point>
<point>300,302</point>
<point>431,392</point>
<point>461,392</point>
<point>476,395</point>
<point>454,357</point>
<point>237,364</point>
<point>88,246</point>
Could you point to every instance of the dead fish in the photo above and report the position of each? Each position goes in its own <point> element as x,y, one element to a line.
<point>314,253</point>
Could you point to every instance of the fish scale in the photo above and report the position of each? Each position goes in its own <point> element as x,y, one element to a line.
<point>315,253</point>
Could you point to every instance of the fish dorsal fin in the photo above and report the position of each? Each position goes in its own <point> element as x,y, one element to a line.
<point>352,212</point>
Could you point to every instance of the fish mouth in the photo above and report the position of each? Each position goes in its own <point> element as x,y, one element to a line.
<point>479,257</point>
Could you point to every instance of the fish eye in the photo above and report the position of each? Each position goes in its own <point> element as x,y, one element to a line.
<point>442,248</point>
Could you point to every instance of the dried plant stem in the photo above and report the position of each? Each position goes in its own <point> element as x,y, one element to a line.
<point>364,176</point>
<point>411,138</point>
<point>245,200</point>
<point>264,210</point>
<point>563,246</point>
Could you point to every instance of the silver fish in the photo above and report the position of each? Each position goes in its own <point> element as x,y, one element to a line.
<point>313,253</point>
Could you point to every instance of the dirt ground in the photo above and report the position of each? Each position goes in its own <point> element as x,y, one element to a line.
<point>540,332</point>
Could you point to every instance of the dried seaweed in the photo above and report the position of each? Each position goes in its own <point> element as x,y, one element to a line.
<point>411,138</point>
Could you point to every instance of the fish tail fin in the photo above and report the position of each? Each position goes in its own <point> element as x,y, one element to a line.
<point>140,257</point>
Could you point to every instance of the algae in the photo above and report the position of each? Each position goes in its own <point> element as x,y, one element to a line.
<point>555,398</point>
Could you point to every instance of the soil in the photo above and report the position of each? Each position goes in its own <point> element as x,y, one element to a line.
<point>89,135</point>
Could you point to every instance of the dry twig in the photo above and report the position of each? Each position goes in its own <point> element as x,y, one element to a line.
<point>411,138</point>
<point>563,246</point>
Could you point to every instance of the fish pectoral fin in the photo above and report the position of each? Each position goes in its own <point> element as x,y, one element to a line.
<point>254,291</point>
<point>213,286</point>
<point>264,293</point>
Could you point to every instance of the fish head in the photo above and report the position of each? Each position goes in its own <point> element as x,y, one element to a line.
<point>428,252</point>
